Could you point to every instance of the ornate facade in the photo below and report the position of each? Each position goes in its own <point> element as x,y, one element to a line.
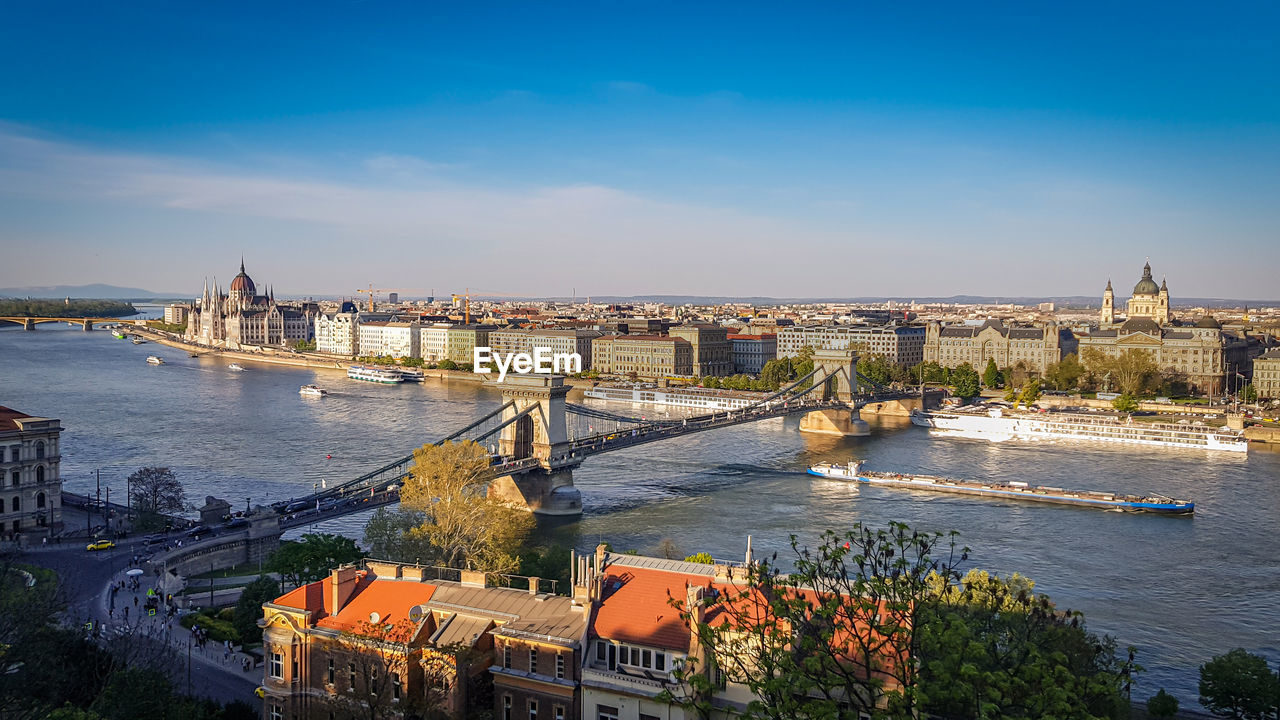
<point>1200,353</point>
<point>1035,347</point>
<point>243,318</point>
<point>30,482</point>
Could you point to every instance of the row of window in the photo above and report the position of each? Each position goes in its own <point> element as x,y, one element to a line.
<point>612,655</point>
<point>16,504</point>
<point>533,661</point>
<point>508,709</point>
<point>15,477</point>
<point>15,452</point>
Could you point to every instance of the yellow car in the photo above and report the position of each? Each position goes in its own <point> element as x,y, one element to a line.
<point>100,545</point>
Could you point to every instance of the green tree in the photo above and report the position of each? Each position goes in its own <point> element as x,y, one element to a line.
<point>249,607</point>
<point>991,647</point>
<point>702,558</point>
<point>931,372</point>
<point>1162,705</point>
<point>1239,685</point>
<point>447,365</point>
<point>1249,394</point>
<point>304,345</point>
<point>312,557</point>
<point>1065,374</point>
<point>876,369</point>
<point>1125,403</point>
<point>464,526</point>
<point>839,629</point>
<point>1030,392</point>
<point>389,535</point>
<point>965,379</point>
<point>1133,371</point>
<point>991,376</point>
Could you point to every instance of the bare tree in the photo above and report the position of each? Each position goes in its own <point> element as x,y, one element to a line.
<point>156,490</point>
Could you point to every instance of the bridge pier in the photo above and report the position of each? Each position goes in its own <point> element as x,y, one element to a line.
<point>87,325</point>
<point>542,433</point>
<point>544,492</point>
<point>29,324</point>
<point>846,422</point>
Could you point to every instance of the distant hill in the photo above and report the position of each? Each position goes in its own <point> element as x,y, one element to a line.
<point>97,291</point>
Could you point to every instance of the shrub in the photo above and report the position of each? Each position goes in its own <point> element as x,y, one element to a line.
<point>218,630</point>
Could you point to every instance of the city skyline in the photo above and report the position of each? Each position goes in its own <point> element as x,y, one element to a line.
<point>859,154</point>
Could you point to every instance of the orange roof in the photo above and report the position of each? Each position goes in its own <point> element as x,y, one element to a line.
<point>635,607</point>
<point>391,599</point>
<point>7,417</point>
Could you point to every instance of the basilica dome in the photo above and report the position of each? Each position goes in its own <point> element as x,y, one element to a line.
<point>1145,286</point>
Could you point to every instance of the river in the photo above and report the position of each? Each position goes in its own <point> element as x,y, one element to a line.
<point>1180,589</point>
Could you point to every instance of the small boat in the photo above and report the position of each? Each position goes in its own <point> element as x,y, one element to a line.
<point>193,354</point>
<point>117,334</point>
<point>138,341</point>
<point>411,374</point>
<point>1012,490</point>
<point>235,367</point>
<point>155,360</point>
<point>312,391</point>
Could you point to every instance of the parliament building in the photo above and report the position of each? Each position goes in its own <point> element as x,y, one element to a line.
<point>241,318</point>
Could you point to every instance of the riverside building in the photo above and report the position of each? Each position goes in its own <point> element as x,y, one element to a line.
<point>1035,347</point>
<point>559,342</point>
<point>751,352</point>
<point>900,344</point>
<point>338,333</point>
<point>712,352</point>
<point>1201,353</point>
<point>647,356</point>
<point>241,318</point>
<point>1266,375</point>
<point>30,482</point>
<point>389,338</point>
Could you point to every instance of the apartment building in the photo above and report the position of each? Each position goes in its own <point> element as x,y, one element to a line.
<point>647,356</point>
<point>1266,375</point>
<point>461,341</point>
<point>433,341</point>
<point>389,338</point>
<point>338,333</point>
<point>557,341</point>
<point>712,352</point>
<point>899,344</point>
<point>31,498</point>
<point>391,640</point>
<point>751,352</point>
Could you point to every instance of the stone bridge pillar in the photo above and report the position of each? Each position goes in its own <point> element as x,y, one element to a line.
<point>87,325</point>
<point>548,488</point>
<point>28,324</point>
<point>841,386</point>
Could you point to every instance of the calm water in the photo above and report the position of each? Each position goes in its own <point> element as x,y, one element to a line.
<point>1181,589</point>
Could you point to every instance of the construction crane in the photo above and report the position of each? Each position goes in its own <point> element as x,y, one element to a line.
<point>370,292</point>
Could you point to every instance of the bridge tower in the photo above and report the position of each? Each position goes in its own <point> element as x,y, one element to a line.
<point>842,385</point>
<point>546,489</point>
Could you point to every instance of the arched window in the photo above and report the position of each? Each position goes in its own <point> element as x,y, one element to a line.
<point>39,473</point>
<point>40,500</point>
<point>40,450</point>
<point>17,503</point>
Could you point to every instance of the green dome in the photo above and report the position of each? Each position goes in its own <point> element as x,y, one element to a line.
<point>1146,286</point>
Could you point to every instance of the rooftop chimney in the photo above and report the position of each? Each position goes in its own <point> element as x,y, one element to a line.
<point>341,586</point>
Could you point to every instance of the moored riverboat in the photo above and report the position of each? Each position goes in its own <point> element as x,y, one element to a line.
<point>368,373</point>
<point>999,424</point>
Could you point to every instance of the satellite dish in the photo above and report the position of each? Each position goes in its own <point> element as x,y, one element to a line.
<point>374,617</point>
<point>416,614</point>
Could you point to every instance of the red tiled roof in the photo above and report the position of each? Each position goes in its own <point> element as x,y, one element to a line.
<point>7,417</point>
<point>636,609</point>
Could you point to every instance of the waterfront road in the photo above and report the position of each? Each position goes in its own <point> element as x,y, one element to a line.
<point>86,578</point>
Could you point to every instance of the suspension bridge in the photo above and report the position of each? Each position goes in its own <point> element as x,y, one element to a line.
<point>536,438</point>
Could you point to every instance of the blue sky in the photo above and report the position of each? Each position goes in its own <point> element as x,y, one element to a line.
<point>621,148</point>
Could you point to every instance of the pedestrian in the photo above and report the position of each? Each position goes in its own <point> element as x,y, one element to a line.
<point>126,613</point>
<point>135,601</point>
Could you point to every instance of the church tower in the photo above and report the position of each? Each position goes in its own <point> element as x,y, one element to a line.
<point>1162,306</point>
<point>1108,306</point>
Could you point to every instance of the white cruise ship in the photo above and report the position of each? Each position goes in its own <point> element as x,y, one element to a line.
<point>997,424</point>
<point>368,373</point>
<point>700,399</point>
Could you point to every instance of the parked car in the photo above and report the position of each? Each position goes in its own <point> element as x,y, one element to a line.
<point>100,545</point>
<point>199,530</point>
<point>235,523</point>
<point>155,539</point>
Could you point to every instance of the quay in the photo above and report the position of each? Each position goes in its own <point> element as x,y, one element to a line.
<point>1009,490</point>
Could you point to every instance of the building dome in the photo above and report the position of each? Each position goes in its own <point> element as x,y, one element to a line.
<point>1209,321</point>
<point>241,283</point>
<point>1145,286</point>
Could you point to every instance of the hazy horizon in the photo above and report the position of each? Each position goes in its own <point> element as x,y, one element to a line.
<point>735,151</point>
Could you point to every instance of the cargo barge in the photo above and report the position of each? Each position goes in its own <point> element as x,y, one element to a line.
<point>1158,504</point>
